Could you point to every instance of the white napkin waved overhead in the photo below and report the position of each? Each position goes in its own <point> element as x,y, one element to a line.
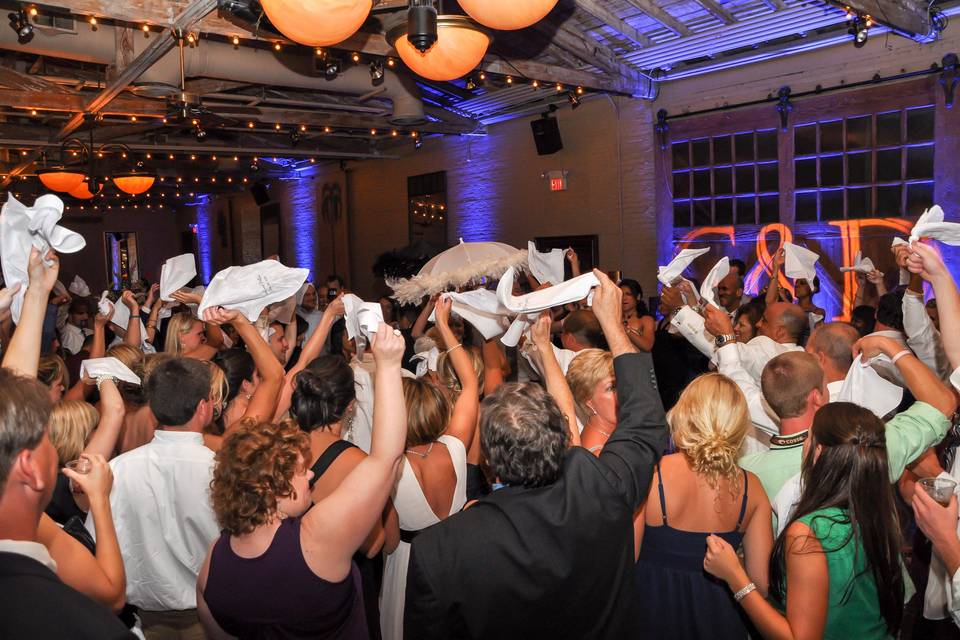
<point>718,273</point>
<point>669,274</point>
<point>899,241</point>
<point>480,308</point>
<point>800,262</point>
<point>249,289</point>
<point>283,311</point>
<point>426,361</point>
<point>546,267</point>
<point>930,224</point>
<point>22,228</point>
<point>861,265</point>
<point>303,292</point>
<point>362,318</point>
<point>572,290</point>
<point>108,367</point>
<point>79,288</point>
<point>175,274</point>
<point>863,386</point>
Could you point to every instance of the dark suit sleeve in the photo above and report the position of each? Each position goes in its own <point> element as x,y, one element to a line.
<point>424,616</point>
<point>641,434</point>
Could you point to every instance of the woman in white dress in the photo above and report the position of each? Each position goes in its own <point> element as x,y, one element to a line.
<point>433,478</point>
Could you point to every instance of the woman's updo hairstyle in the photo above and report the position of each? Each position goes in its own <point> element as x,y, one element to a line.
<point>322,392</point>
<point>237,365</point>
<point>708,424</point>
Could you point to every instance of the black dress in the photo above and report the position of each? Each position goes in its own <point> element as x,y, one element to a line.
<point>669,579</point>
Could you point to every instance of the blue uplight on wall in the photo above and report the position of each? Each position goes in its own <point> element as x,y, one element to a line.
<point>303,221</point>
<point>204,238</point>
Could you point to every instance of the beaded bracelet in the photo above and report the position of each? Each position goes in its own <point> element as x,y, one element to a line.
<point>740,595</point>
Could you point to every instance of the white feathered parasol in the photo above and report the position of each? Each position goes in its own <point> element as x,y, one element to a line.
<point>464,264</point>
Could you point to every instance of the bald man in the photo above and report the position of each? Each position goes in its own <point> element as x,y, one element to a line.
<point>832,345</point>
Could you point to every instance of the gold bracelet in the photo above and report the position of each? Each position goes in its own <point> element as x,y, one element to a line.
<point>457,346</point>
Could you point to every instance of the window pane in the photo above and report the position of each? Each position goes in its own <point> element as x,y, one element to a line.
<point>681,155</point>
<point>744,177</point>
<point>889,201</point>
<point>681,184</point>
<point>744,147</point>
<point>766,145</point>
<point>701,213</point>
<point>768,176</point>
<point>701,183</point>
<point>806,204</point>
<point>888,128</point>
<point>888,165</point>
<point>805,140</point>
<point>722,150</point>
<point>806,173</point>
<point>859,203</point>
<point>919,197</point>
<point>769,209</point>
<point>920,124</point>
<point>746,211</point>
<point>681,213</point>
<point>858,132</point>
<point>831,171</point>
<point>919,162</point>
<point>859,168</point>
<point>701,152</point>
<point>831,205</point>
<point>831,136</point>
<point>723,211</point>
<point>723,180</point>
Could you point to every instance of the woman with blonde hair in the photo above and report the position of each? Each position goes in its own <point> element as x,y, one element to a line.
<point>594,387</point>
<point>699,491</point>
<point>187,337</point>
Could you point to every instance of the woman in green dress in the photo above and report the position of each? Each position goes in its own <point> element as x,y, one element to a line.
<point>835,569</point>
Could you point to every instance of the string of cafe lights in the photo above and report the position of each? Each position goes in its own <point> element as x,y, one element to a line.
<point>333,64</point>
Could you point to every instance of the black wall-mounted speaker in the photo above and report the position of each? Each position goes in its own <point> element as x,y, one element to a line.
<point>260,193</point>
<point>546,135</point>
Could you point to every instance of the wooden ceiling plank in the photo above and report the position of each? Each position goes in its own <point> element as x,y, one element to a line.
<point>650,8</point>
<point>718,12</point>
<point>598,11</point>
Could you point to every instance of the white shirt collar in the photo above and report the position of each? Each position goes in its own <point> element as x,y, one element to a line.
<point>164,436</point>
<point>30,549</point>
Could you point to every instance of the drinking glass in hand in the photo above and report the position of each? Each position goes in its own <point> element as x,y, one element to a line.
<point>940,489</point>
<point>81,466</point>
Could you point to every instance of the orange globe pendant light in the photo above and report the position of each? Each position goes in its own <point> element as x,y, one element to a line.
<point>60,179</point>
<point>460,47</point>
<point>133,183</point>
<point>317,23</point>
<point>507,15</point>
<point>83,191</point>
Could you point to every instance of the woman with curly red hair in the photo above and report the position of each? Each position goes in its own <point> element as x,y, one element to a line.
<point>282,568</point>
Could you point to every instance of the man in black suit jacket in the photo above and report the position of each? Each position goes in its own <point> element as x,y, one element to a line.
<point>34,603</point>
<point>551,554</point>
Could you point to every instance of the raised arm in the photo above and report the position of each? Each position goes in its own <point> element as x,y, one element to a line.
<point>132,336</point>
<point>641,434</point>
<point>553,375</point>
<point>420,326</point>
<point>927,262</point>
<point>23,352</point>
<point>463,421</point>
<point>155,304</point>
<point>922,382</point>
<point>311,351</point>
<point>103,440</point>
<point>340,523</point>
<point>101,577</point>
<point>773,289</point>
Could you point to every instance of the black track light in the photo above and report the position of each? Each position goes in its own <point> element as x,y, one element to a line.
<point>574,100</point>
<point>199,133</point>
<point>376,72</point>
<point>422,24</point>
<point>20,23</point>
<point>859,29</point>
<point>332,68</point>
<point>294,137</point>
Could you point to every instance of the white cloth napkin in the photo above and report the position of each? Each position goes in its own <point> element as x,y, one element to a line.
<point>668,274</point>
<point>79,288</point>
<point>813,319</point>
<point>303,292</point>
<point>546,267</point>
<point>22,228</point>
<point>111,367</point>
<point>898,241</point>
<point>532,355</point>
<point>572,290</point>
<point>863,386</point>
<point>426,361</point>
<point>718,273</point>
<point>800,262</point>
<point>283,311</point>
<point>175,274</point>
<point>937,598</point>
<point>930,224</point>
<point>362,318</point>
<point>482,309</point>
<point>861,265</point>
<point>249,289</point>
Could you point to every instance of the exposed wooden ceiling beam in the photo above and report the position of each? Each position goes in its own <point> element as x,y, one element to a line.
<point>906,17</point>
<point>650,8</point>
<point>75,102</point>
<point>598,11</point>
<point>630,83</point>
<point>718,12</point>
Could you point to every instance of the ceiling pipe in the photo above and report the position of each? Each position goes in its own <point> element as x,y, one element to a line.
<point>220,60</point>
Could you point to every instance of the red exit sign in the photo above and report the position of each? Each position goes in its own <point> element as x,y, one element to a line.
<point>558,180</point>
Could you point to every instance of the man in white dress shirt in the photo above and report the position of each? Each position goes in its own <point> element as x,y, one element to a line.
<point>161,502</point>
<point>832,345</point>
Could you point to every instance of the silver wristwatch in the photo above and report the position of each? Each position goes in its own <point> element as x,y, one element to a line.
<point>724,338</point>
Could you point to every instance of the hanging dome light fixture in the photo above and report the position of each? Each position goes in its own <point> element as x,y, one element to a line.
<point>507,15</point>
<point>83,192</point>
<point>460,44</point>
<point>317,23</point>
<point>133,183</point>
<point>59,178</point>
